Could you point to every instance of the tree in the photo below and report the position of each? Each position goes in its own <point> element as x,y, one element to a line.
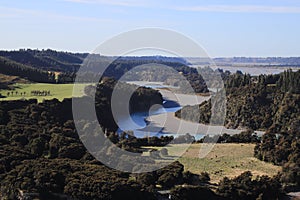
<point>193,192</point>
<point>245,187</point>
<point>164,152</point>
<point>147,179</point>
<point>170,175</point>
<point>37,146</point>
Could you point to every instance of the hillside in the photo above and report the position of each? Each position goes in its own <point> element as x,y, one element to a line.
<point>256,103</point>
<point>48,60</point>
<point>49,66</point>
<point>271,103</point>
<point>6,82</point>
<point>12,68</point>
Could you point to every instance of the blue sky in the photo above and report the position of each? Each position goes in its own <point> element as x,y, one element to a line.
<point>222,27</point>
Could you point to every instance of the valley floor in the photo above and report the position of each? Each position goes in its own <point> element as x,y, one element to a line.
<point>224,160</point>
<point>58,91</point>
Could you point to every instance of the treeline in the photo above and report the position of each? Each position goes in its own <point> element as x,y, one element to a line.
<point>244,186</point>
<point>35,65</point>
<point>254,102</point>
<point>248,136</point>
<point>48,60</point>
<point>133,144</point>
<point>141,99</point>
<point>40,93</point>
<point>12,68</point>
<point>283,148</point>
<point>143,69</point>
<point>289,82</point>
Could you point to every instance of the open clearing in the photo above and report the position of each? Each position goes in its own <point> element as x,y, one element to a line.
<point>58,91</point>
<point>224,160</point>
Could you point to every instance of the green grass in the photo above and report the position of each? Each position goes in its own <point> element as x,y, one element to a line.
<point>58,91</point>
<point>224,160</point>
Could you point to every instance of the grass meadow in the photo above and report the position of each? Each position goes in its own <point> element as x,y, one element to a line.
<point>224,160</point>
<point>58,91</point>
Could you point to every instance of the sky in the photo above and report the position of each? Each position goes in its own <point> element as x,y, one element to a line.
<point>224,28</point>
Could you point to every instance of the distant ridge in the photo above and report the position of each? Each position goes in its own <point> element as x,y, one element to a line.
<point>287,61</point>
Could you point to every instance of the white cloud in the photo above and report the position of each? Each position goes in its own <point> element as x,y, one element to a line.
<point>240,9</point>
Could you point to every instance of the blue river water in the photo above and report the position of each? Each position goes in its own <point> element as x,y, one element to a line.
<point>138,127</point>
<point>137,122</point>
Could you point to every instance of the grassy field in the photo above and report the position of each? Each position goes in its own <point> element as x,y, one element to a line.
<point>59,91</point>
<point>224,160</point>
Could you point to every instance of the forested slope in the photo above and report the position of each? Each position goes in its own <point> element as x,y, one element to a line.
<point>255,102</point>
<point>271,103</point>
<point>61,67</point>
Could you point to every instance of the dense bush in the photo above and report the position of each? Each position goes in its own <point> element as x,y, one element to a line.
<point>283,149</point>
<point>246,187</point>
<point>254,102</point>
<point>248,136</point>
<point>193,192</point>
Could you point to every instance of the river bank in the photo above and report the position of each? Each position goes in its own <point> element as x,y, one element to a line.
<point>162,121</point>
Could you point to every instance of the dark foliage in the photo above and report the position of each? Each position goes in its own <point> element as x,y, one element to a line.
<point>255,102</point>
<point>248,136</point>
<point>42,156</point>
<point>245,187</point>
<point>193,192</point>
<point>9,67</point>
<point>35,65</point>
<point>47,60</point>
<point>283,149</point>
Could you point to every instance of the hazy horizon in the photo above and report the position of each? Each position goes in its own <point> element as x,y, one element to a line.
<point>249,28</point>
<point>150,55</point>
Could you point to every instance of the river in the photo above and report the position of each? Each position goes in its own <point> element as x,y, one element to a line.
<point>162,121</point>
